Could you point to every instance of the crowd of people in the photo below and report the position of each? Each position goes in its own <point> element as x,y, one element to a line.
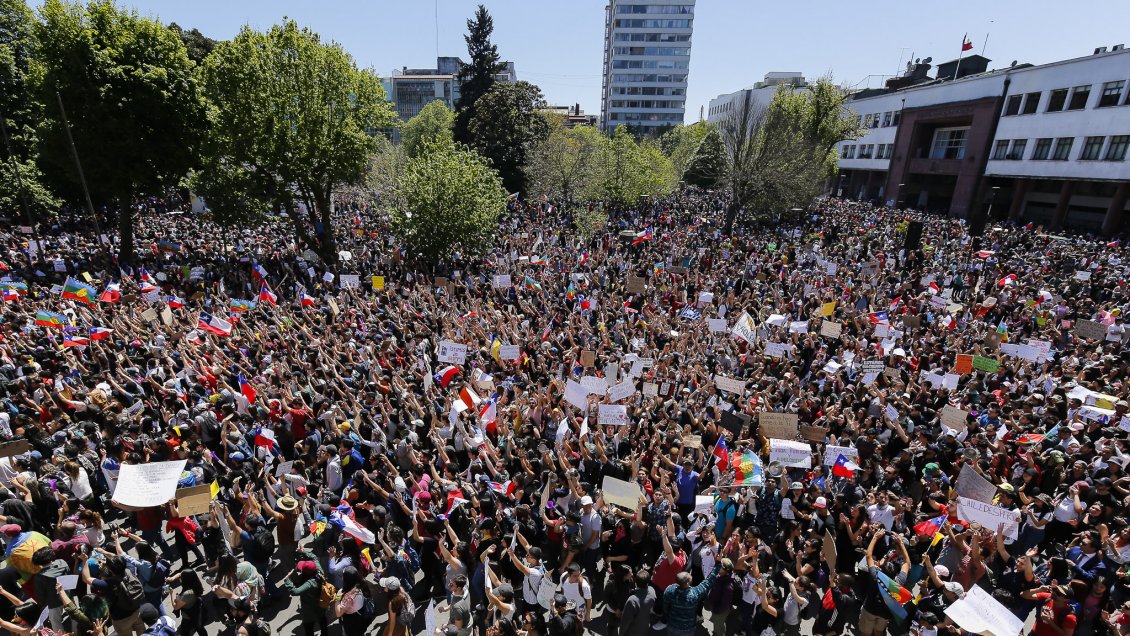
<point>808,426</point>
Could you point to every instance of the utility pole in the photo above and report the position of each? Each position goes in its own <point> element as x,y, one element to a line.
<point>81,176</point>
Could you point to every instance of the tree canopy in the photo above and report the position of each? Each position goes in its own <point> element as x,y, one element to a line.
<point>196,43</point>
<point>626,170</point>
<point>477,76</point>
<point>431,126</point>
<point>292,118</point>
<point>562,163</point>
<point>505,122</point>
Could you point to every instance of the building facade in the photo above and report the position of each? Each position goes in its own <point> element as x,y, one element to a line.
<point>1045,143</point>
<point>647,53</point>
<point>413,88</point>
<point>760,93</point>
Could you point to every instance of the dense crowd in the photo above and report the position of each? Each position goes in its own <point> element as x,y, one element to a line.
<point>803,427</point>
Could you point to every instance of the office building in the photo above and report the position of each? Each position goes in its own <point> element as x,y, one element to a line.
<point>1042,143</point>
<point>760,93</point>
<point>573,115</point>
<point>413,88</point>
<point>647,53</point>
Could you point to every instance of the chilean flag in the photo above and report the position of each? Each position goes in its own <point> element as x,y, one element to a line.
<point>721,455</point>
<point>213,325</point>
<point>265,437</point>
<point>246,389</point>
<point>176,302</point>
<point>10,295</point>
<point>266,295</point>
<point>505,489</point>
<point>844,467</point>
<point>895,303</point>
<point>100,333</point>
<point>306,300</point>
<point>468,397</point>
<point>112,293</point>
<point>489,412</point>
<point>446,375</point>
<point>75,341</point>
<point>878,318</point>
<point>642,236</point>
<point>258,273</point>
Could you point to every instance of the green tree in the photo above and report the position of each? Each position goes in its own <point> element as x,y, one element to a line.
<point>448,204</point>
<point>682,142</point>
<point>196,43</point>
<point>477,76</point>
<point>506,121</point>
<point>589,220</point>
<point>627,171</point>
<point>431,126</point>
<point>778,156</point>
<point>292,115</point>
<point>20,178</point>
<point>708,165</point>
<point>561,164</point>
<point>132,100</point>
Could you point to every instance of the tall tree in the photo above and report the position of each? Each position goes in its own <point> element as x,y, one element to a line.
<point>778,156</point>
<point>627,171</point>
<point>708,165</point>
<point>682,142</point>
<point>505,122</point>
<point>196,43</point>
<point>132,100</point>
<point>448,204</point>
<point>562,164</point>
<point>20,178</point>
<point>291,116</point>
<point>431,126</point>
<point>477,76</point>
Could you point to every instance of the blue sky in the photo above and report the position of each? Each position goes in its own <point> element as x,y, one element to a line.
<point>558,44</point>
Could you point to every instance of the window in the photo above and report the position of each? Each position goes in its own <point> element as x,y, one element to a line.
<point>949,143</point>
<point>880,151</point>
<point>1018,147</point>
<point>1057,100</point>
<point>875,120</point>
<point>1092,148</point>
<point>887,119</point>
<point>1000,151</point>
<point>1116,151</point>
<point>1111,92</point>
<point>1042,149</point>
<point>1031,103</point>
<point>1012,106</point>
<point>1062,148</point>
<point>895,119</point>
<point>849,152</point>
<point>866,150</point>
<point>1079,96</point>
<point>867,120</point>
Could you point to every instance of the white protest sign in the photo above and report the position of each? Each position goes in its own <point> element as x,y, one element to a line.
<point>790,454</point>
<point>614,414</point>
<point>729,385</point>
<point>872,366</point>
<point>953,418</point>
<point>716,325</point>
<point>67,581</point>
<point>776,349</point>
<point>349,281</point>
<point>1083,274</point>
<point>593,384</point>
<point>949,381</point>
<point>509,352</point>
<point>987,515</point>
<point>798,327</point>
<point>706,297</point>
<point>704,504</point>
<point>148,485</point>
<point>576,394</point>
<point>650,389</point>
<point>830,329</point>
<point>452,352</point>
<point>618,492</point>
<point>745,329</point>
<point>501,281</point>
<point>979,613</point>
<point>622,391</point>
<point>328,277</point>
<point>832,453</point>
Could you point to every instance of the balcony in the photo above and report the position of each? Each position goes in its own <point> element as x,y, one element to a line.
<point>935,166</point>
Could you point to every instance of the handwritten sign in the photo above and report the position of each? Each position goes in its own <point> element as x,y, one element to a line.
<point>501,281</point>
<point>588,359</point>
<point>194,501</point>
<point>790,454</point>
<point>953,418</point>
<point>778,425</point>
<point>148,485</point>
<point>971,485</point>
<point>576,394</point>
<point>815,434</point>
<point>614,414</point>
<point>830,329</point>
<point>963,364</point>
<point>872,366</point>
<point>622,391</point>
<point>617,492</point>
<point>509,352</point>
<point>988,515</point>
<point>349,281</point>
<point>452,352</point>
<point>979,613</point>
<point>595,385</point>
<point>378,283</point>
<point>988,365</point>
<point>635,285</point>
<point>776,349</point>
<point>729,385</point>
<point>716,325</point>
<point>832,453</point>
<point>1090,329</point>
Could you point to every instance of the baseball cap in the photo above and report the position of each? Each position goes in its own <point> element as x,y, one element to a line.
<point>821,502</point>
<point>796,484</point>
<point>586,500</point>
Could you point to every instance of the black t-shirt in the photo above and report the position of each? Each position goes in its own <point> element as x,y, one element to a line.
<point>428,549</point>
<point>20,512</point>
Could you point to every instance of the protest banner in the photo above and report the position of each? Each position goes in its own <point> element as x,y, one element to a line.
<point>745,329</point>
<point>778,425</point>
<point>595,385</point>
<point>729,385</point>
<point>953,418</point>
<point>963,364</point>
<point>776,349</point>
<point>971,485</point>
<point>195,500</point>
<point>989,516</point>
<point>988,365</point>
<point>148,485</point>
<point>830,329</point>
<point>349,281</point>
<point>832,453</point>
<point>1090,329</point>
<point>452,352</point>
<point>979,613</point>
<point>872,366</point>
<point>614,414</point>
<point>790,454</point>
<point>501,281</point>
<point>509,352</point>
<point>814,434</point>
<point>622,391</point>
<point>618,492</point>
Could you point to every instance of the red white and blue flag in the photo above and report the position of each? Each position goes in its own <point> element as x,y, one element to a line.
<point>258,273</point>
<point>445,375</point>
<point>878,318</point>
<point>721,455</point>
<point>931,527</point>
<point>112,293</point>
<point>246,389</point>
<point>10,295</point>
<point>844,467</point>
<point>267,296</point>
<point>75,341</point>
<point>306,300</point>
<point>506,489</point>
<point>100,333</point>
<point>176,302</point>
<point>213,325</point>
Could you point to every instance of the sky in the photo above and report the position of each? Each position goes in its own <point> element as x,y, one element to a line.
<point>559,44</point>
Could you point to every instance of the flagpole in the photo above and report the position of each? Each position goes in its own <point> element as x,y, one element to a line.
<point>957,67</point>
<point>986,44</point>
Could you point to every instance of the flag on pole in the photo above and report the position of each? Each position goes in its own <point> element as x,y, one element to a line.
<point>930,527</point>
<point>246,389</point>
<point>267,296</point>
<point>305,299</point>
<point>213,325</point>
<point>44,318</point>
<point>966,43</point>
<point>747,469</point>
<point>175,302</point>
<point>100,333</point>
<point>112,293</point>
<point>721,455</point>
<point>76,290</point>
<point>844,467</point>
<point>238,305</point>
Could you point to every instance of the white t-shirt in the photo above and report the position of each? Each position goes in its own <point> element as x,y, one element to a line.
<point>577,593</point>
<point>531,583</point>
<point>884,515</point>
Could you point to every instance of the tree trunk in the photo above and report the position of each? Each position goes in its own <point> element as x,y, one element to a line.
<point>125,232</point>
<point>731,217</point>
<point>327,247</point>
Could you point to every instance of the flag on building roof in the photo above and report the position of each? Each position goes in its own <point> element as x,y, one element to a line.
<point>100,333</point>
<point>77,290</point>
<point>44,318</point>
<point>966,43</point>
<point>112,294</point>
<point>213,324</point>
<point>246,389</point>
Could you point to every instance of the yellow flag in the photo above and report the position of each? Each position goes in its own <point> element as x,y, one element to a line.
<point>827,308</point>
<point>378,283</point>
<point>214,489</point>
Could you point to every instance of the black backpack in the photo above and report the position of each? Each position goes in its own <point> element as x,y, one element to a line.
<point>264,542</point>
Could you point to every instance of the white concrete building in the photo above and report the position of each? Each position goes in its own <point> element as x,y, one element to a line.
<point>761,93</point>
<point>647,53</point>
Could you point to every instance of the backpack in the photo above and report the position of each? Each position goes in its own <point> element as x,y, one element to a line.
<point>264,541</point>
<point>407,613</point>
<point>413,558</point>
<point>157,575</point>
<point>326,594</point>
<point>128,594</point>
<point>368,610</point>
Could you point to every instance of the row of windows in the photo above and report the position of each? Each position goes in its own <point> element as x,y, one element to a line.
<point>871,120</point>
<point>677,9</point>
<point>652,50</point>
<point>653,37</point>
<point>647,90</point>
<point>623,78</point>
<point>868,151</point>
<point>1063,99</point>
<point>645,116</point>
<point>1059,149</point>
<point>647,103</point>
<point>652,24</point>
<point>657,64</point>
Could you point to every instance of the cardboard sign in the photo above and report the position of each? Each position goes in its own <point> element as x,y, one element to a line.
<point>790,454</point>
<point>635,285</point>
<point>988,365</point>
<point>622,391</point>
<point>828,548</point>
<point>735,422</point>
<point>989,516</point>
<point>148,485</point>
<point>814,434</point>
<point>993,340</point>
<point>501,281</point>
<point>349,281</point>
<point>729,385</point>
<point>832,453</point>
<point>953,418</point>
<point>692,441</point>
<point>452,352</point>
<point>618,492</point>
<point>612,414</point>
<point>830,329</point>
<point>963,364</point>
<point>776,349</point>
<point>167,316</point>
<point>971,485</point>
<point>15,447</point>
<point>588,359</point>
<point>912,322</point>
<point>149,315</point>
<point>194,501</point>
<point>778,425</point>
<point>509,352</point>
<point>378,283</point>
<point>441,282</point>
<point>1090,329</point>
<point>716,325</point>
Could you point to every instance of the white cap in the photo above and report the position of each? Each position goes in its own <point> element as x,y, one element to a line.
<point>586,500</point>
